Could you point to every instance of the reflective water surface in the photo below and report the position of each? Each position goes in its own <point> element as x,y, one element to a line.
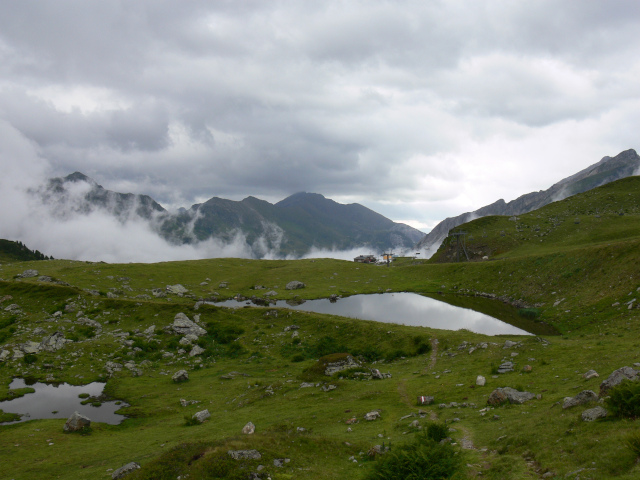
<point>62,399</point>
<point>403,308</point>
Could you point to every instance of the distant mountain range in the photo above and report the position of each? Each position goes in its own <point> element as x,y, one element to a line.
<point>607,170</point>
<point>291,227</point>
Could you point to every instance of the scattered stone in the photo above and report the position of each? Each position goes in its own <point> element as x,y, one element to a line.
<point>176,289</point>
<point>594,414</point>
<point>53,342</point>
<point>4,355</point>
<point>295,285</point>
<point>201,416</point>
<point>291,327</point>
<point>508,394</point>
<point>271,293</point>
<point>245,454</point>
<point>150,330</point>
<point>481,381</point>
<point>344,364</point>
<point>196,350</point>
<point>30,347</point>
<point>183,326</point>
<point>582,398</point>
<point>76,422</point>
<point>617,377</point>
<point>300,429</point>
<point>180,376</point>
<point>28,274</point>
<point>279,462</point>
<point>506,367</point>
<point>328,388</point>
<point>373,415</point>
<point>159,293</point>
<point>186,403</point>
<point>351,421</point>
<point>125,470</point>
<point>249,429</point>
<point>509,344</point>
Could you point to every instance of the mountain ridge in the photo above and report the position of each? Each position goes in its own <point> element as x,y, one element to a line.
<point>607,170</point>
<point>290,227</point>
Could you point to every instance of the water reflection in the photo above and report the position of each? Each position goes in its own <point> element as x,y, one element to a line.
<point>403,308</point>
<point>63,399</point>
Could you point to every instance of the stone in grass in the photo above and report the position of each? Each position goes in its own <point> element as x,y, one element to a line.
<point>507,394</point>
<point>180,376</point>
<point>125,470</point>
<point>590,374</point>
<point>594,414</point>
<point>249,428</point>
<point>295,285</point>
<point>373,415</point>
<point>76,422</point>
<point>201,416</point>
<point>617,377</point>
<point>280,462</point>
<point>481,381</point>
<point>582,398</point>
<point>245,454</point>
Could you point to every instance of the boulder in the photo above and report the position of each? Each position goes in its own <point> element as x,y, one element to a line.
<point>373,415</point>
<point>481,381</point>
<point>245,454</point>
<point>508,394</point>
<point>582,398</point>
<point>30,347</point>
<point>180,376</point>
<point>76,422</point>
<point>249,429</point>
<point>201,416</point>
<point>53,342</point>
<point>343,364</point>
<point>176,289</point>
<point>4,355</point>
<point>590,374</point>
<point>183,326</point>
<point>125,470</point>
<point>28,274</point>
<point>196,350</point>
<point>594,414</point>
<point>617,377</point>
<point>295,285</point>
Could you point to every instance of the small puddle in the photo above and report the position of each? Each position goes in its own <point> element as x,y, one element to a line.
<point>402,308</point>
<point>60,401</point>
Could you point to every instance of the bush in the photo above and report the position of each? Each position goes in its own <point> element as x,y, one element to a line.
<point>422,459</point>
<point>529,313</point>
<point>30,358</point>
<point>624,400</point>
<point>633,443</point>
<point>437,431</point>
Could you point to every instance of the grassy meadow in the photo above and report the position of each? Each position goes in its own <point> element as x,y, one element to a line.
<point>568,271</point>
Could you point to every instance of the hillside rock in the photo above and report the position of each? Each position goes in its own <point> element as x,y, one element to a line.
<point>76,422</point>
<point>508,394</point>
<point>53,342</point>
<point>582,398</point>
<point>201,416</point>
<point>295,285</point>
<point>617,377</point>
<point>594,414</point>
<point>245,454</point>
<point>125,470</point>
<point>183,326</point>
<point>180,376</point>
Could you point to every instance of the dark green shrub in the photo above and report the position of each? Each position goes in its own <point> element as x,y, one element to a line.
<point>529,313</point>
<point>423,348</point>
<point>30,358</point>
<point>633,442</point>
<point>234,350</point>
<point>223,334</point>
<point>624,400</point>
<point>297,358</point>
<point>422,459</point>
<point>437,431</point>
<point>326,346</point>
<point>396,354</point>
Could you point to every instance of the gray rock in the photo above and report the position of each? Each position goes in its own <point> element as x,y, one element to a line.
<point>180,376</point>
<point>345,364</point>
<point>125,470</point>
<point>112,367</point>
<point>183,326</point>
<point>245,454</point>
<point>150,330</point>
<point>295,285</point>
<point>53,342</point>
<point>594,414</point>
<point>249,429</point>
<point>271,293</point>
<point>176,289</point>
<point>373,415</point>
<point>201,416</point>
<point>509,344</point>
<point>28,274</point>
<point>617,377</point>
<point>508,394</point>
<point>196,350</point>
<point>4,355</point>
<point>158,292</point>
<point>30,347</point>
<point>481,381</point>
<point>506,367</point>
<point>280,462</point>
<point>582,398</point>
<point>76,422</point>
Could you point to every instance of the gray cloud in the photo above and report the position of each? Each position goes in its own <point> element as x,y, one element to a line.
<point>420,110</point>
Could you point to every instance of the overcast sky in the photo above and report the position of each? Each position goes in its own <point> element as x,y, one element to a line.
<point>418,110</point>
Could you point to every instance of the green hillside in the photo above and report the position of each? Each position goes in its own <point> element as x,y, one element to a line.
<point>18,252</point>
<point>571,266</point>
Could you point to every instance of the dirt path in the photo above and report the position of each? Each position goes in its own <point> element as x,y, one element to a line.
<point>434,353</point>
